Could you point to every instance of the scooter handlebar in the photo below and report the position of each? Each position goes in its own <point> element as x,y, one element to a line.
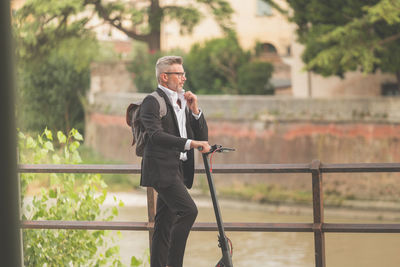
<point>217,148</point>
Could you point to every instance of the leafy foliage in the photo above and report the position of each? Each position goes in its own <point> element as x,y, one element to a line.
<point>53,59</point>
<point>68,197</point>
<point>222,66</point>
<point>52,20</point>
<point>54,51</point>
<point>253,78</point>
<point>52,89</point>
<point>212,67</point>
<point>343,35</point>
<point>146,17</point>
<point>40,25</point>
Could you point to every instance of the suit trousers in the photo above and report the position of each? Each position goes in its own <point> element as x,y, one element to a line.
<point>175,216</point>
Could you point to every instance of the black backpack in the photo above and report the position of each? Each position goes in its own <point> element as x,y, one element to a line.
<point>133,120</point>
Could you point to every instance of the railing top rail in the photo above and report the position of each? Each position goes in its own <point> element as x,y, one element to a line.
<point>217,168</point>
<point>230,226</point>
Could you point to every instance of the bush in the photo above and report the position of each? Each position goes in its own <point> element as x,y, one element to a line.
<point>253,78</point>
<point>212,67</point>
<point>51,93</point>
<point>68,197</point>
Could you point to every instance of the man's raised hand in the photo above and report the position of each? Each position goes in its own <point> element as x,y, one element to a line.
<point>191,100</point>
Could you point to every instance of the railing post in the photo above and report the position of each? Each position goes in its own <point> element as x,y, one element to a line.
<point>318,212</point>
<point>151,210</point>
<point>21,231</point>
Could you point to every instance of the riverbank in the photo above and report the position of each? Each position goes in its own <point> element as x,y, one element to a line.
<point>351,209</point>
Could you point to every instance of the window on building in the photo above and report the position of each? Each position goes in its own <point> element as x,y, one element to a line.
<point>288,50</point>
<point>263,8</point>
<point>390,89</point>
<point>268,48</point>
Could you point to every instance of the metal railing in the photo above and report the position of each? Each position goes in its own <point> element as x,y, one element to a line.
<point>318,226</point>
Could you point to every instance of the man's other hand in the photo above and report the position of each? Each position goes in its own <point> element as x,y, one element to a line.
<point>203,144</point>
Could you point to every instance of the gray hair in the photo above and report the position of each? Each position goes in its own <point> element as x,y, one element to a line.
<point>164,63</point>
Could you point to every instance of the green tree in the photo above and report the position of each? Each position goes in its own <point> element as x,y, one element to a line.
<point>212,67</point>
<point>40,26</point>
<point>52,67</point>
<point>52,64</point>
<point>147,16</point>
<point>51,20</point>
<point>347,35</point>
<point>222,66</point>
<point>52,88</point>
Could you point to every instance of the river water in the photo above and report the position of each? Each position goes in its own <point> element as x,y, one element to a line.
<point>269,249</point>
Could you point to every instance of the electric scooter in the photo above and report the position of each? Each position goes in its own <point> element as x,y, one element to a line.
<point>224,242</point>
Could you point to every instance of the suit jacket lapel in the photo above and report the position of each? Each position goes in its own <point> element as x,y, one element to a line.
<point>188,128</point>
<point>166,98</point>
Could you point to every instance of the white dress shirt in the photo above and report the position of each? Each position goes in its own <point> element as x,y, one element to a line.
<point>180,115</point>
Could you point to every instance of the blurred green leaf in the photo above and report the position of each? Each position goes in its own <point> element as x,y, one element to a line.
<point>78,136</point>
<point>73,146</point>
<point>48,145</point>
<point>30,143</point>
<point>135,262</point>
<point>52,193</point>
<point>48,134</point>
<point>62,139</point>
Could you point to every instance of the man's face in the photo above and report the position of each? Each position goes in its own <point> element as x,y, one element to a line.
<point>175,77</point>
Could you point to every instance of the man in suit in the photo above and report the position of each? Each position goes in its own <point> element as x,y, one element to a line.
<point>168,160</point>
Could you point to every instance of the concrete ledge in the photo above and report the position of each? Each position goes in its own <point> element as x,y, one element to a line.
<point>272,108</point>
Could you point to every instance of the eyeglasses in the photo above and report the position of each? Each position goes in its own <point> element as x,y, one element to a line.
<point>180,74</point>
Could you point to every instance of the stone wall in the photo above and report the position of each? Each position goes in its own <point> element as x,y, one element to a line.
<point>275,130</point>
<point>269,129</point>
<point>273,108</point>
<point>111,77</point>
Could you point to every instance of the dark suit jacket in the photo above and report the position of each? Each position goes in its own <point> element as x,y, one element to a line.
<point>160,162</point>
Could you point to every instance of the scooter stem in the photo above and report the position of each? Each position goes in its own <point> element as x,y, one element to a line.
<point>226,260</point>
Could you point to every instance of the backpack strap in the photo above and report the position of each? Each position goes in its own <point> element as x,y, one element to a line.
<point>161,101</point>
